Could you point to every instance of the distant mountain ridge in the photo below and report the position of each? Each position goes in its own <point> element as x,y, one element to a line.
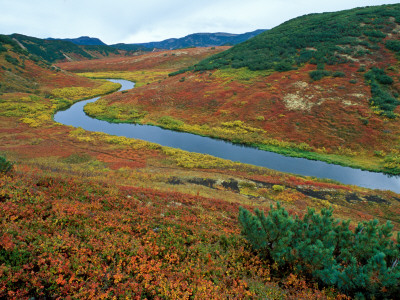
<point>194,40</point>
<point>85,47</point>
<point>56,50</point>
<point>83,41</point>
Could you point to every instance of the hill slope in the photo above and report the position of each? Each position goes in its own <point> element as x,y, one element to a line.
<point>27,73</point>
<point>195,40</point>
<point>83,40</point>
<point>330,38</point>
<point>59,50</point>
<point>351,36</point>
<point>29,84</point>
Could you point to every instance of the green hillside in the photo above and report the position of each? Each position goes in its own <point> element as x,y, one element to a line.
<point>14,75</point>
<point>330,38</point>
<point>51,51</point>
<point>59,50</point>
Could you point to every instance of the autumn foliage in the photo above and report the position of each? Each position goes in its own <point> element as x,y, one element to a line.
<point>63,237</point>
<point>89,215</point>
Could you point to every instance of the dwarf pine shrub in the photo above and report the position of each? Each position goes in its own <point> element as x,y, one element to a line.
<point>360,263</point>
<point>382,95</point>
<point>5,165</point>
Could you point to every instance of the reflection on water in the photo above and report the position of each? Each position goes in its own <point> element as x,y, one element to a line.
<point>75,116</point>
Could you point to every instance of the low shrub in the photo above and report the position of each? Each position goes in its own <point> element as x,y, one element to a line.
<point>361,263</point>
<point>170,122</point>
<point>318,74</point>
<point>12,60</point>
<point>5,165</point>
<point>382,96</point>
<point>339,74</point>
<point>393,45</point>
<point>278,188</point>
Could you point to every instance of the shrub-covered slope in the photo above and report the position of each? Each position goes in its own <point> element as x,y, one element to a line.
<point>62,50</point>
<point>31,89</point>
<point>22,71</point>
<point>330,38</point>
<point>66,235</point>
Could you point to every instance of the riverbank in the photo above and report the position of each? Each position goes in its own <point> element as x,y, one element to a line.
<point>125,110</point>
<point>195,143</point>
<point>366,163</point>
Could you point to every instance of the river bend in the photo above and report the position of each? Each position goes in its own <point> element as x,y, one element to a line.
<point>75,116</point>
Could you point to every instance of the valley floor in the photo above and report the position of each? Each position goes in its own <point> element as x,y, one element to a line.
<point>88,215</point>
<point>94,216</point>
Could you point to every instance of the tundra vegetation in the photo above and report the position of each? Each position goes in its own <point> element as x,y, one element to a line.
<point>89,215</point>
<point>339,105</point>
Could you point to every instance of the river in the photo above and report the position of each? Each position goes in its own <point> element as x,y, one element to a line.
<point>76,117</point>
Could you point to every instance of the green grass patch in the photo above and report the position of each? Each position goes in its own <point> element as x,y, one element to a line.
<point>241,74</point>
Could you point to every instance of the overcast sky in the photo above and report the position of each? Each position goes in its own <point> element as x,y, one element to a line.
<point>133,21</point>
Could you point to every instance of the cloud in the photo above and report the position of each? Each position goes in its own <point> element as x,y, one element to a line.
<point>133,21</point>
